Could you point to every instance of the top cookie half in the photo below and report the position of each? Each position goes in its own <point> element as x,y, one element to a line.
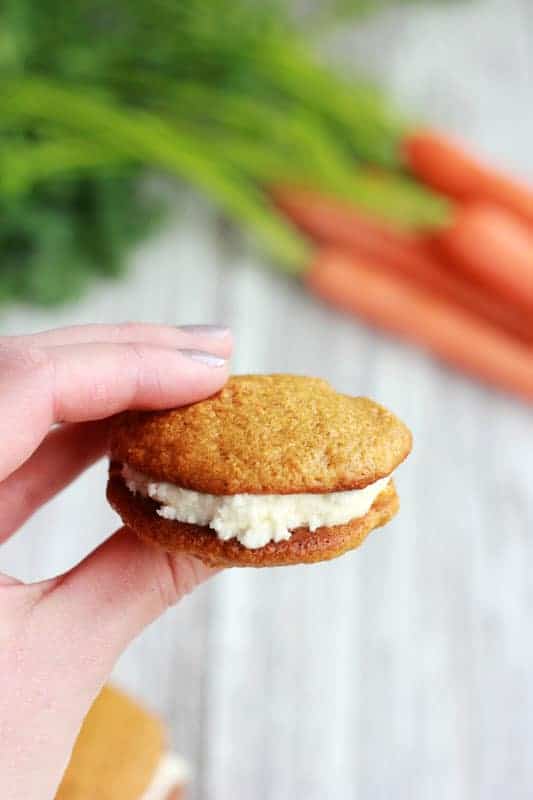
<point>265,434</point>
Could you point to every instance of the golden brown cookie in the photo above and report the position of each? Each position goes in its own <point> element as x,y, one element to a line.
<point>116,753</point>
<point>265,434</point>
<point>260,435</point>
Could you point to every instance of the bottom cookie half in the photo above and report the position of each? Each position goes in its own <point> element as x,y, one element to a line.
<point>304,546</point>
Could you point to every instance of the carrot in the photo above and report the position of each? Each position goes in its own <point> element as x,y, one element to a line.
<point>332,222</point>
<point>490,246</point>
<point>446,166</point>
<point>445,280</point>
<point>328,219</point>
<point>453,334</point>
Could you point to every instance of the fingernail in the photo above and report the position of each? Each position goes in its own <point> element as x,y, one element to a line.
<point>216,331</point>
<point>208,359</point>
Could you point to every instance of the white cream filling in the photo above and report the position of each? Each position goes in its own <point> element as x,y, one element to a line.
<point>171,771</point>
<point>253,519</point>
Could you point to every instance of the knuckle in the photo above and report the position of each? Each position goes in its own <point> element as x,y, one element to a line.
<point>135,357</point>
<point>138,352</point>
<point>149,379</point>
<point>182,575</point>
<point>100,395</point>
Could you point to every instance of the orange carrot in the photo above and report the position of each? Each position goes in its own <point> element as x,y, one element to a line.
<point>454,334</point>
<point>444,279</point>
<point>446,166</point>
<point>328,219</point>
<point>332,222</point>
<point>490,246</point>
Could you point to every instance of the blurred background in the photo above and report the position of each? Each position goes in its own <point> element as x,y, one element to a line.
<point>241,163</point>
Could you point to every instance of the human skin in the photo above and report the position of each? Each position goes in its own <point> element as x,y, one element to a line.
<point>60,638</point>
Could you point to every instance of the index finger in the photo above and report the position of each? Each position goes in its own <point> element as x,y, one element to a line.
<point>75,383</point>
<point>203,337</point>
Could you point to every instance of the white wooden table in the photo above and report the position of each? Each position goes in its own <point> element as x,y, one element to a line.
<point>404,670</point>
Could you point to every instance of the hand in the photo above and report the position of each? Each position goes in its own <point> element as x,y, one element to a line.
<point>60,638</point>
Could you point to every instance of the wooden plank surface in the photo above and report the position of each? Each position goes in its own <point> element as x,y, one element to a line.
<point>403,670</point>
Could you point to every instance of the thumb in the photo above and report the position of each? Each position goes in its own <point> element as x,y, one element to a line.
<point>70,632</point>
<point>104,602</point>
